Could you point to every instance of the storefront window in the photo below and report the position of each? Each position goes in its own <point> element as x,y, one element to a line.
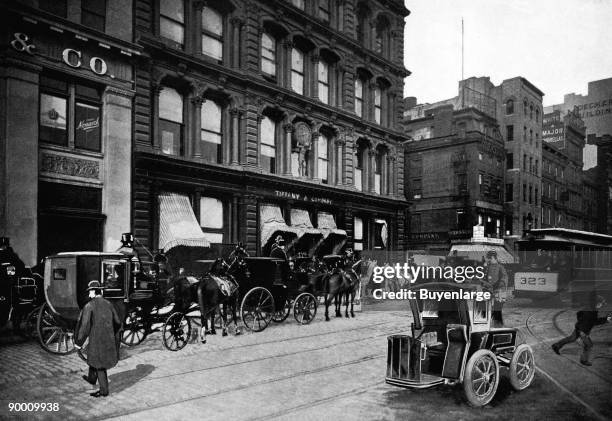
<point>87,128</point>
<point>172,20</point>
<point>211,135</point>
<point>268,145</point>
<point>53,119</point>
<point>323,158</point>
<point>212,33</point>
<point>211,219</point>
<point>358,233</point>
<point>170,121</point>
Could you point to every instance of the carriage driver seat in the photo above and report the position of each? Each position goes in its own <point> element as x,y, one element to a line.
<point>457,339</point>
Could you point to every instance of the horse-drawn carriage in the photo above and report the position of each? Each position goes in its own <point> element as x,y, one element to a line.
<point>67,275</point>
<point>452,342</point>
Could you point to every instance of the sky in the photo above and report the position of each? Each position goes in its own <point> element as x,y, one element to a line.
<point>558,45</point>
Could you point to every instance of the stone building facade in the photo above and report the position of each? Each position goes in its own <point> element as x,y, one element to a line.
<point>254,119</point>
<point>66,92</point>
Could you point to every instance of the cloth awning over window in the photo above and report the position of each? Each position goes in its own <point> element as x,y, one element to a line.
<point>272,223</point>
<point>309,236</point>
<point>331,233</point>
<point>178,225</point>
<point>478,251</point>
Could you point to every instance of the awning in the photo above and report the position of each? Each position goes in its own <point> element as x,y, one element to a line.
<point>272,223</point>
<point>309,236</point>
<point>331,233</point>
<point>478,251</point>
<point>177,223</point>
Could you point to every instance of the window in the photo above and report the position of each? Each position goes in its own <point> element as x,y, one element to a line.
<point>524,162</point>
<point>377,104</point>
<point>170,121</point>
<point>56,7</point>
<point>537,139</point>
<point>93,14</point>
<point>323,82</point>
<point>268,54</point>
<point>509,107</point>
<point>381,234</point>
<point>535,198</point>
<point>509,133</point>
<point>211,219</point>
<point>212,33</point>
<point>56,99</point>
<point>324,10</point>
<point>509,161</point>
<point>480,179</point>
<point>362,22</point>
<point>524,133</point>
<point>417,188</point>
<point>211,134</point>
<point>530,164</point>
<point>480,156</point>
<point>537,112</point>
<point>358,233</point>
<point>530,194</point>
<point>535,169</point>
<point>509,192</point>
<point>378,172</point>
<point>297,71</point>
<point>268,145</point>
<point>298,3</point>
<point>323,158</point>
<point>530,136</point>
<point>359,155</point>
<point>525,108</point>
<point>359,97</point>
<point>531,111</point>
<point>524,192</point>
<point>172,20</point>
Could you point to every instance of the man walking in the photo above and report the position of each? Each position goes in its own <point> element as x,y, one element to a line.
<point>497,280</point>
<point>98,321</point>
<point>586,319</point>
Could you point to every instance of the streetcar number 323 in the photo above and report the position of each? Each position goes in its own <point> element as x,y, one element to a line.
<point>532,281</point>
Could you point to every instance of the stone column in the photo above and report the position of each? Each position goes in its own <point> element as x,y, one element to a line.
<point>155,132</point>
<point>393,177</point>
<point>339,146</point>
<point>235,43</point>
<point>286,148</point>
<point>315,157</point>
<point>384,175</point>
<point>284,77</point>
<point>117,140</point>
<point>371,173</point>
<point>19,97</point>
<point>313,77</point>
<point>196,136</point>
<point>235,126</point>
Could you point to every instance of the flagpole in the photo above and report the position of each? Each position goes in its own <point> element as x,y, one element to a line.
<point>462,52</point>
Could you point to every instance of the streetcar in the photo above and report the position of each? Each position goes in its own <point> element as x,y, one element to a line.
<point>556,260</point>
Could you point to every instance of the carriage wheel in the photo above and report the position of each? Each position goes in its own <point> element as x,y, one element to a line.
<point>53,337</point>
<point>134,327</point>
<point>282,314</point>
<point>176,331</point>
<point>522,367</point>
<point>305,308</point>
<point>481,378</point>
<point>257,309</point>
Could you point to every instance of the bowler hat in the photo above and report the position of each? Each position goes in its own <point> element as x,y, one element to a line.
<point>94,285</point>
<point>492,253</point>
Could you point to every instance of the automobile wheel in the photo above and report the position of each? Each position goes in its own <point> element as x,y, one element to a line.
<point>481,378</point>
<point>305,308</point>
<point>257,309</point>
<point>522,367</point>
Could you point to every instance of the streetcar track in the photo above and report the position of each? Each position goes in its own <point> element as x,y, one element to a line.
<point>252,384</point>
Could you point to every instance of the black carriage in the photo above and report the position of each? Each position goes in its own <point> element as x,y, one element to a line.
<point>452,342</point>
<point>66,276</point>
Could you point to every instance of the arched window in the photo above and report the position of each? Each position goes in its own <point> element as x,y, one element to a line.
<point>377,104</point>
<point>267,150</point>
<point>525,108</point>
<point>268,54</point>
<point>297,71</point>
<point>381,35</point>
<point>359,97</point>
<point>531,111</point>
<point>170,121</point>
<point>212,33</point>
<point>510,107</point>
<point>172,20</point>
<point>323,82</point>
<point>537,112</point>
<point>211,133</point>
<point>362,22</point>
<point>323,159</point>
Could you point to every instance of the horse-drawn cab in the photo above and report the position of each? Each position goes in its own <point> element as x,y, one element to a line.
<point>452,342</point>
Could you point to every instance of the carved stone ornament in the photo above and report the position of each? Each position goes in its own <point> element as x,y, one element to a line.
<point>71,166</point>
<point>302,135</point>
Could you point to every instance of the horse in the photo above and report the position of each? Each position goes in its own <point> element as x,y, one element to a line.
<point>208,292</point>
<point>341,283</point>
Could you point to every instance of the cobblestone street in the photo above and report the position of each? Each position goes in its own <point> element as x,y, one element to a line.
<point>317,371</point>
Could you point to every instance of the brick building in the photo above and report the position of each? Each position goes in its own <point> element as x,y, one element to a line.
<point>516,107</point>
<point>454,176</point>
<point>66,128</point>
<point>264,117</point>
<point>599,180</point>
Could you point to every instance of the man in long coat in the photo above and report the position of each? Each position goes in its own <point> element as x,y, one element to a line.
<point>99,322</point>
<point>497,282</point>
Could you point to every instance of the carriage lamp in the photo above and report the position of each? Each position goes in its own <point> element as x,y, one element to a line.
<point>10,270</point>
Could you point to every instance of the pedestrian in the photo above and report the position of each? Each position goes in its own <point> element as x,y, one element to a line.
<point>497,282</point>
<point>585,320</point>
<point>99,322</point>
<point>278,250</point>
